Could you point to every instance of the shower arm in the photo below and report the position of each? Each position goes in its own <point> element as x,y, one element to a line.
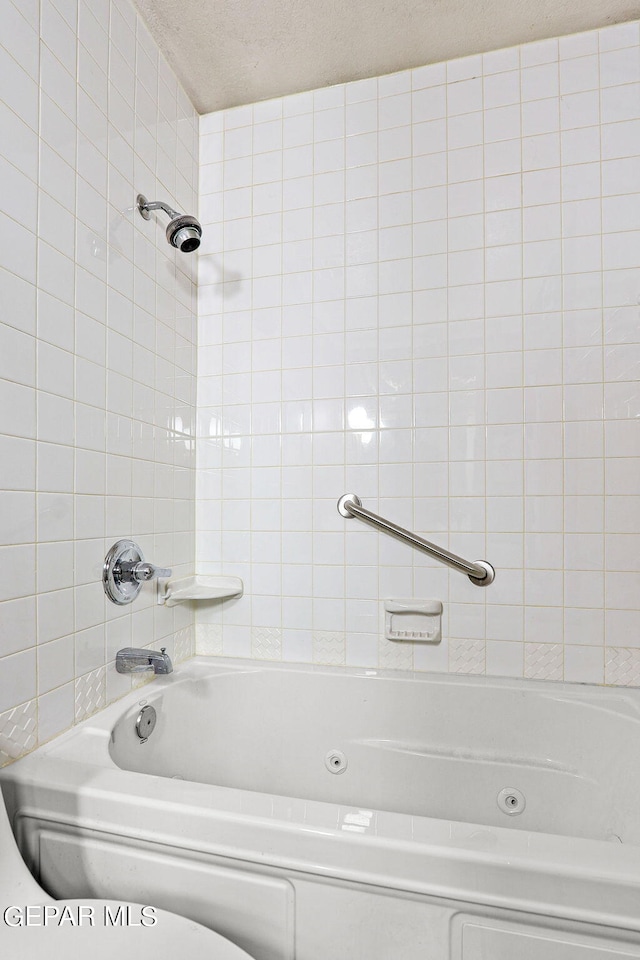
<point>480,572</point>
<point>145,206</point>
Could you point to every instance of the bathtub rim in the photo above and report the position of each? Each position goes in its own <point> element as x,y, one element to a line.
<point>198,665</point>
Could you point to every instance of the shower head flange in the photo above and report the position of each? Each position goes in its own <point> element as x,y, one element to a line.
<point>142,204</point>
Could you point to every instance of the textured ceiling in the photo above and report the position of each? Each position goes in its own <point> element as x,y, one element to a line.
<point>230,52</point>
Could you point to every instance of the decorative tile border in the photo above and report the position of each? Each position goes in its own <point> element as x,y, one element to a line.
<point>208,639</point>
<point>622,666</point>
<point>329,647</point>
<point>466,656</point>
<point>266,643</point>
<point>543,661</point>
<point>184,644</point>
<point>18,731</point>
<point>91,693</point>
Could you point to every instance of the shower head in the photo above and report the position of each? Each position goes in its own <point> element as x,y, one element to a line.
<point>183,231</point>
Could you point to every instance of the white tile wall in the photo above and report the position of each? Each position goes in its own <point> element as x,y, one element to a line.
<point>424,288</point>
<point>97,352</point>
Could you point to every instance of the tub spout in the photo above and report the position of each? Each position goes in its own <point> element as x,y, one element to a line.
<point>136,660</point>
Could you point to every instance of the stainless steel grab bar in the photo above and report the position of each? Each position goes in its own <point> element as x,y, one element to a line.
<point>479,572</point>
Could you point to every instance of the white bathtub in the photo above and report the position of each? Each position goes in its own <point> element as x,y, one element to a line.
<point>332,814</point>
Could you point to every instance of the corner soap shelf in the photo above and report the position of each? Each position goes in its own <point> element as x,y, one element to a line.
<point>199,588</point>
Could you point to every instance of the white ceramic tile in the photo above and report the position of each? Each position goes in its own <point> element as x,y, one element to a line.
<point>55,664</point>
<point>18,683</point>
<point>583,664</point>
<point>504,658</point>
<point>579,74</point>
<point>63,372</point>
<point>540,52</point>
<point>501,89</point>
<point>55,712</point>
<point>543,189</point>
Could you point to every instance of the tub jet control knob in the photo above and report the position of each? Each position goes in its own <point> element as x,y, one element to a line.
<point>125,570</point>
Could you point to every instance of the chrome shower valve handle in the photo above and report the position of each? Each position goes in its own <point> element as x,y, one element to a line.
<point>142,572</point>
<point>125,570</point>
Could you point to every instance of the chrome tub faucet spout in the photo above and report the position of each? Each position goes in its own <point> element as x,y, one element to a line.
<point>137,660</point>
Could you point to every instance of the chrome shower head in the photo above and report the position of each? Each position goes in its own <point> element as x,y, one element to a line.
<point>183,231</point>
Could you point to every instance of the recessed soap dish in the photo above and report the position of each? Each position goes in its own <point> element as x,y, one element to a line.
<point>413,620</point>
